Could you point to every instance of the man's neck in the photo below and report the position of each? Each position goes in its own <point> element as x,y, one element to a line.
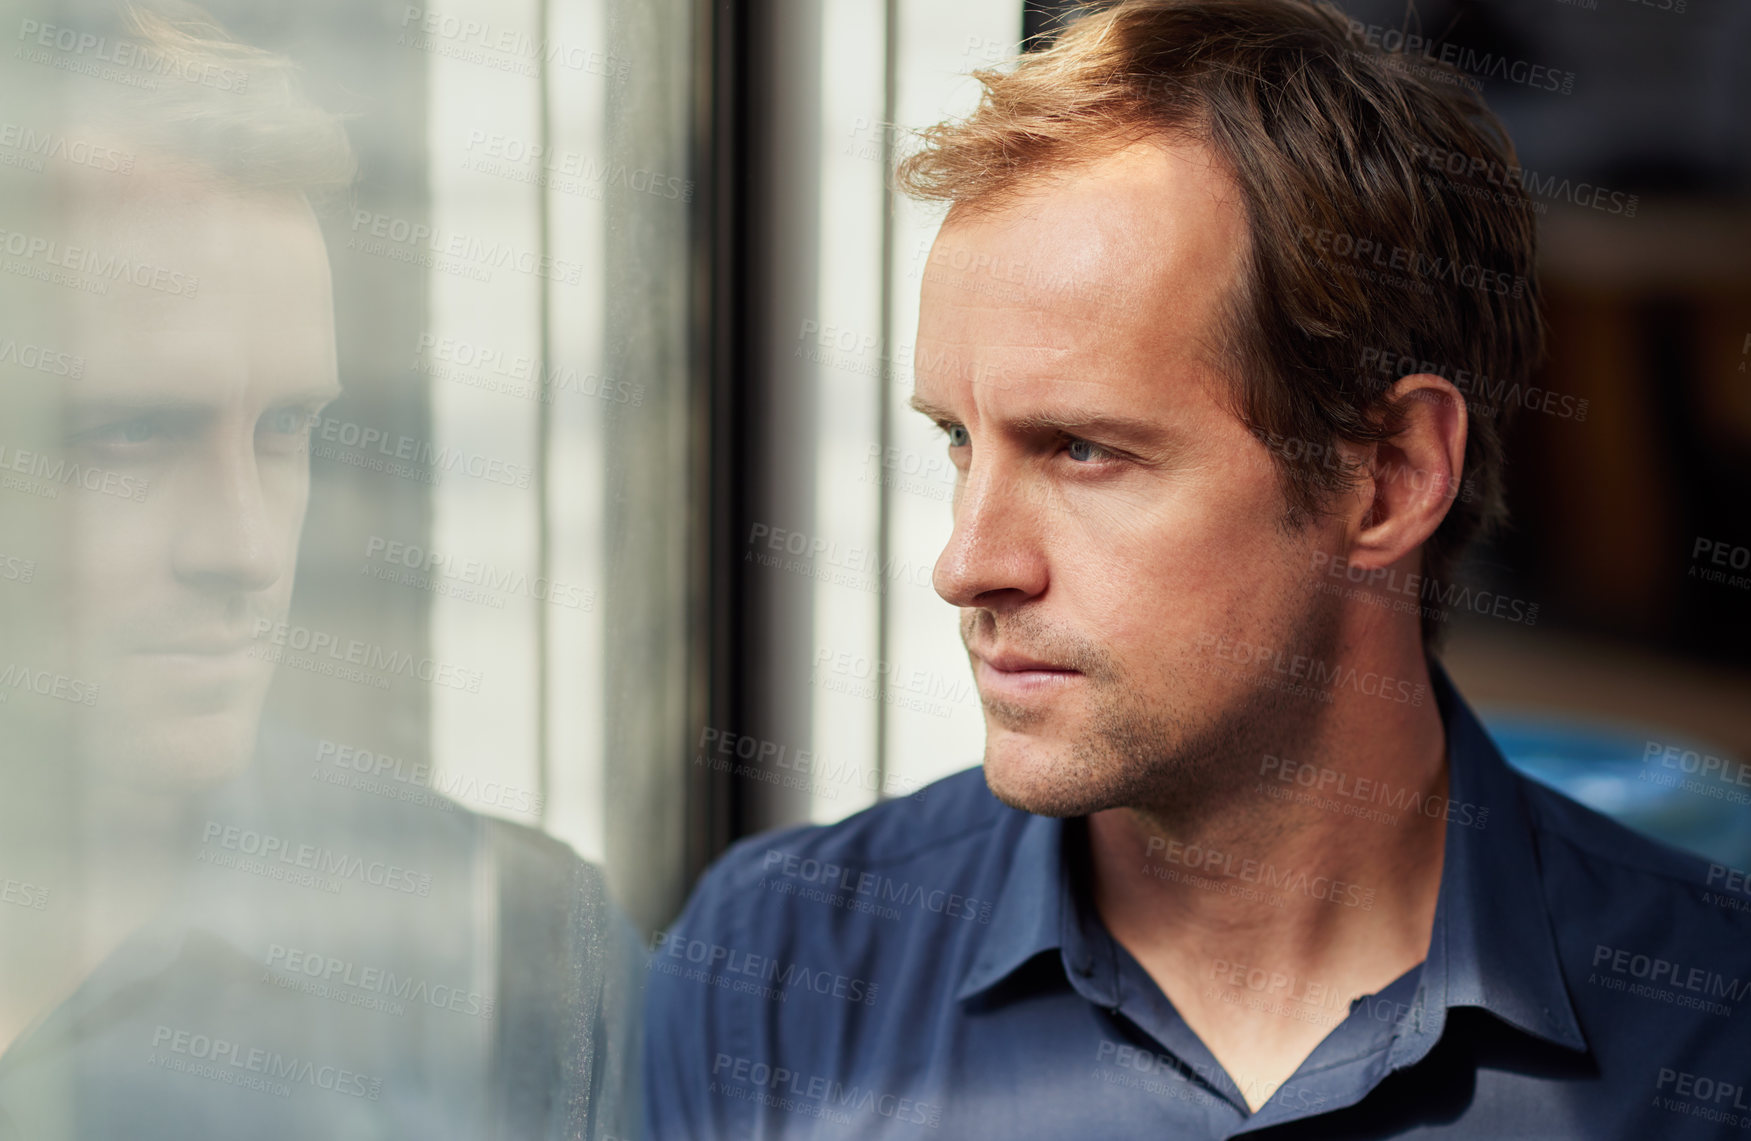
<point>1262,916</point>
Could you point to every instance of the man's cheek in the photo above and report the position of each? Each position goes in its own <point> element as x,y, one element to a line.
<point>119,566</point>
<point>117,540</point>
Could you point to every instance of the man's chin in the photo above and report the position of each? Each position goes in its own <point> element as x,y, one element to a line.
<point>174,755</point>
<point>1041,776</point>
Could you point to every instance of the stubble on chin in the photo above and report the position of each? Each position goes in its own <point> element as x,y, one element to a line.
<point>1133,745</point>
<point>1111,752</point>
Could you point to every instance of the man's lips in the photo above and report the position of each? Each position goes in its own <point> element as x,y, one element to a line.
<point>202,659</point>
<point>1010,662</point>
<point>1011,676</point>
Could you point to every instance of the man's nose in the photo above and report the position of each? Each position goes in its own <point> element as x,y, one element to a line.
<point>995,555</point>
<point>226,537</point>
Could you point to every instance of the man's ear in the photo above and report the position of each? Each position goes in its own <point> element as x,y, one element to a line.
<point>1414,476</point>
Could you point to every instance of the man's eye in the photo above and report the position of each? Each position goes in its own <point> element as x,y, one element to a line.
<point>139,430</point>
<point>1084,452</point>
<point>958,436</point>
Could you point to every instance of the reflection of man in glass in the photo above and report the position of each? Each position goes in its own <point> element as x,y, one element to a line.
<point>236,957</point>
<point>202,390</point>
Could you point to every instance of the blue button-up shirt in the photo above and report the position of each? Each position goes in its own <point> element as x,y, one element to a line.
<point>934,967</point>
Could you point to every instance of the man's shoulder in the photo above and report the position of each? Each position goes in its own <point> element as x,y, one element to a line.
<point>1621,898</point>
<point>933,839</point>
<point>1571,832</point>
<point>1653,943</point>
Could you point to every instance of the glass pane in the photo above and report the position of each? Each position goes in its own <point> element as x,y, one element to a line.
<point>343,374</point>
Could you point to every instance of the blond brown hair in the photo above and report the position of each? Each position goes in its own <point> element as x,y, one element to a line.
<point>1330,141</point>
<point>208,103</point>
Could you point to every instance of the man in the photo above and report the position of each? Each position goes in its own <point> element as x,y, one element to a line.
<point>1239,858</point>
<point>204,937</point>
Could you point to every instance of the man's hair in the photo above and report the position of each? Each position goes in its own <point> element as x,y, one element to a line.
<point>1364,252</point>
<point>205,102</point>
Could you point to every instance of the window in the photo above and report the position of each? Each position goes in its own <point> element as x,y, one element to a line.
<point>348,387</point>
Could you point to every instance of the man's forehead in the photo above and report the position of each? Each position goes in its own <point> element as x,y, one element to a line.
<point>1118,267</point>
<point>170,220</point>
<point>207,348</point>
<point>1099,241</point>
<point>226,298</point>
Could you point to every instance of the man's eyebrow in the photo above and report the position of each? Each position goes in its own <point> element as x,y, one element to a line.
<point>123,402</point>
<point>1146,435</point>
<point>1093,423</point>
<point>926,408</point>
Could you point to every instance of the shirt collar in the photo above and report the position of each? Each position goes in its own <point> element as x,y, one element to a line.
<point>1027,919</point>
<point>1492,945</point>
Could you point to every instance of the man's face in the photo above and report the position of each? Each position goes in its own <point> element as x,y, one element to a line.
<point>205,399</point>
<point>1114,520</point>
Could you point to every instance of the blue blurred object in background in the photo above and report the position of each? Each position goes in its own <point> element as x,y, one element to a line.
<point>1610,769</point>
